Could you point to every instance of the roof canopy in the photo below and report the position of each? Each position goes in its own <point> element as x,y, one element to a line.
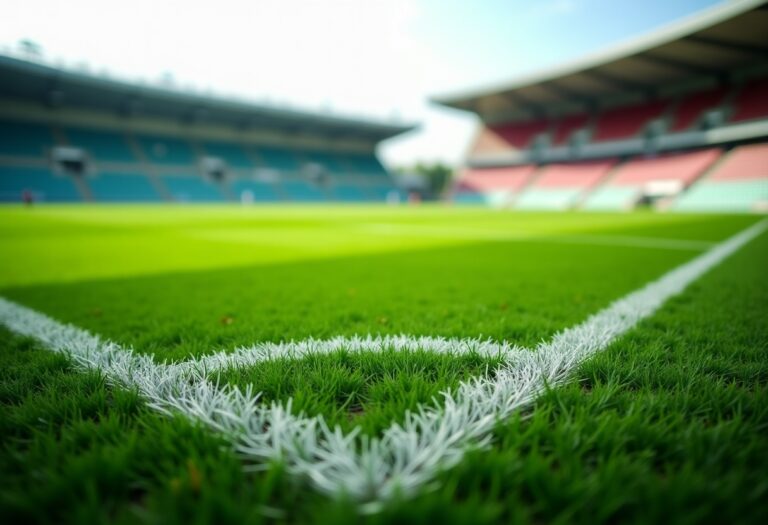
<point>709,45</point>
<point>53,87</point>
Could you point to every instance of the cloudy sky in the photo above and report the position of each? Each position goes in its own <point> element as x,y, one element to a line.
<point>373,58</point>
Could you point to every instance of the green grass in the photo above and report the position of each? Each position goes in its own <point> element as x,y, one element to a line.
<point>667,425</point>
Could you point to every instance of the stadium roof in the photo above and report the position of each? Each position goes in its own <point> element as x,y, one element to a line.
<point>54,87</point>
<point>709,44</point>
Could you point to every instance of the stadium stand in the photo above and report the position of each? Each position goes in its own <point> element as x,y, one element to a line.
<point>561,186</point>
<point>106,140</point>
<point>496,185</point>
<point>349,192</point>
<point>626,122</point>
<point>521,135</point>
<point>167,150</point>
<point>738,183</point>
<point>384,192</point>
<point>40,182</point>
<point>661,110</point>
<point>122,187</point>
<point>24,139</point>
<point>191,188</point>
<point>102,145</point>
<point>692,108</point>
<point>752,101</point>
<point>303,191</point>
<point>366,164</point>
<point>635,178</point>
<point>567,127</point>
<point>233,154</point>
<point>280,159</point>
<point>328,162</point>
<point>682,167</point>
<point>258,191</point>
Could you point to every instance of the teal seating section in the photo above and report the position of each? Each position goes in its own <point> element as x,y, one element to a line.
<point>233,154</point>
<point>328,161</point>
<point>122,187</point>
<point>365,164</point>
<point>303,191</point>
<point>382,192</point>
<point>349,193</point>
<point>123,162</point>
<point>260,190</point>
<point>736,196</point>
<point>44,185</point>
<point>548,198</point>
<point>611,198</point>
<point>23,139</point>
<point>278,158</point>
<point>167,150</point>
<point>192,188</point>
<point>469,197</point>
<point>104,146</point>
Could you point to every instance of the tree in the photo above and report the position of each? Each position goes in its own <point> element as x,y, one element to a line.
<point>433,178</point>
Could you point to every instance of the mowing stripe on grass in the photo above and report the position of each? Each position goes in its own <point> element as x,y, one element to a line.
<point>405,456</point>
<point>630,241</point>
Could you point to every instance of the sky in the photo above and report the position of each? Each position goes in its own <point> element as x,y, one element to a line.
<point>378,59</point>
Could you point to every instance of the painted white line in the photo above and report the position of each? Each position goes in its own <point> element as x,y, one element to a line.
<point>405,456</point>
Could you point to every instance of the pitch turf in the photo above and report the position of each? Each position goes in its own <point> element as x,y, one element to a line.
<point>666,425</point>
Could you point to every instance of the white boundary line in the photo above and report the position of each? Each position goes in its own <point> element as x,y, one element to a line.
<point>405,456</point>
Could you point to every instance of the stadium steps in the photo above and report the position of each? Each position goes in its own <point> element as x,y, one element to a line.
<point>690,109</point>
<point>226,191</point>
<point>582,199</point>
<point>519,135</point>
<point>146,168</point>
<point>40,181</point>
<point>738,183</point>
<point>565,128</point>
<point>626,122</point>
<point>715,166</point>
<point>185,187</point>
<point>559,186</point>
<point>530,183</point>
<point>260,190</point>
<point>83,188</point>
<point>157,183</point>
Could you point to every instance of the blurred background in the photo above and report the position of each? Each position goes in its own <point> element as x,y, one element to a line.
<point>557,104</point>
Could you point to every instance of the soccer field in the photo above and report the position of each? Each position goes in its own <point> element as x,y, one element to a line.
<point>337,364</point>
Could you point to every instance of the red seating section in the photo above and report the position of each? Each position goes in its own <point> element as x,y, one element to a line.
<point>489,179</point>
<point>685,167</point>
<point>574,175</point>
<point>624,123</point>
<point>752,102</point>
<point>743,163</point>
<point>693,106</point>
<point>520,135</point>
<point>566,127</point>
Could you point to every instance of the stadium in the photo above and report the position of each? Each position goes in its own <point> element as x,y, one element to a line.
<point>215,310</point>
<point>675,120</point>
<point>73,137</point>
